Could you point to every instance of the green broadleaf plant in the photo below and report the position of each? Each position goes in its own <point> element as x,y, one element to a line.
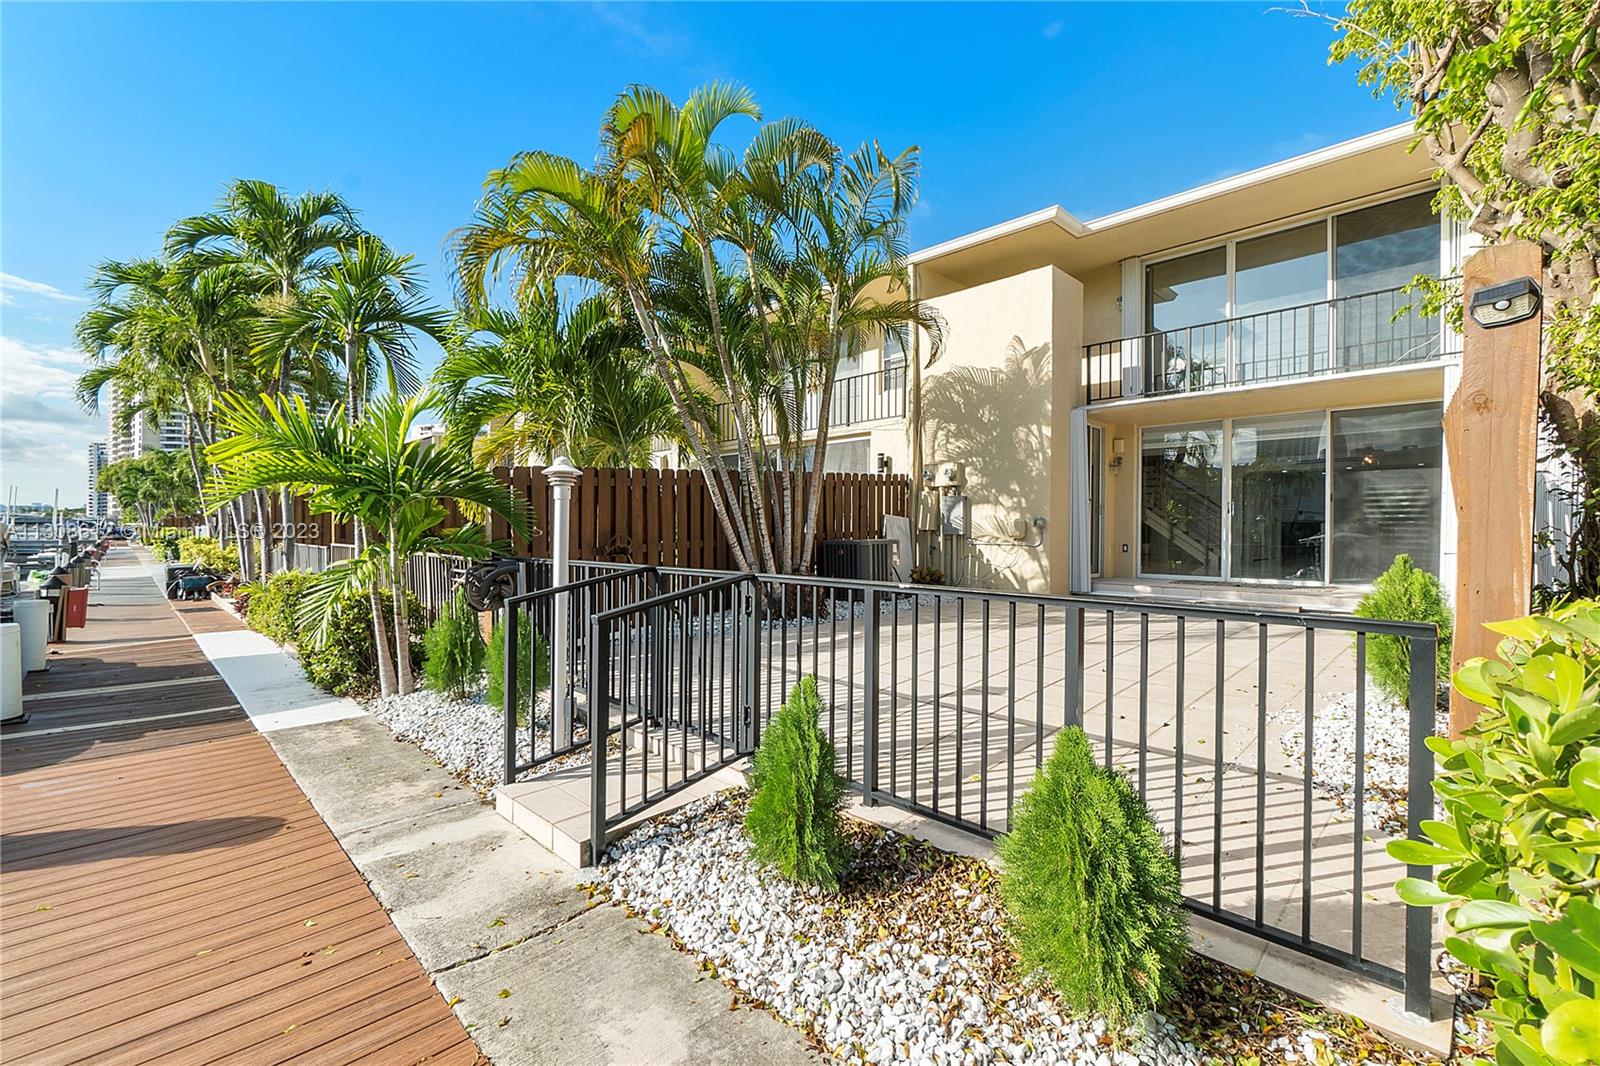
<point>1519,847</point>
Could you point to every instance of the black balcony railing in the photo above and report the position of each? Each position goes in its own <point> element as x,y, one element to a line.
<point>857,398</point>
<point>1365,332</point>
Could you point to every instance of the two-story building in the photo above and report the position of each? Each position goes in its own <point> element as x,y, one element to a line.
<point>1227,392</point>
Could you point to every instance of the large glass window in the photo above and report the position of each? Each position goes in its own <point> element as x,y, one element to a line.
<point>1281,271</point>
<point>1312,497</point>
<point>1377,250</point>
<point>1185,301</point>
<point>1181,501</point>
<point>1386,485</point>
<point>1279,498</point>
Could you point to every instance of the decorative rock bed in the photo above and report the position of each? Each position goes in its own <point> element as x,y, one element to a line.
<point>465,736</point>
<point>1386,756</point>
<point>911,962</point>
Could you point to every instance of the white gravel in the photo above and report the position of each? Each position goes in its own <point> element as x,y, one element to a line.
<point>1386,756</point>
<point>466,736</point>
<point>915,994</point>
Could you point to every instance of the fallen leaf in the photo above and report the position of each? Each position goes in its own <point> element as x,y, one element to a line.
<point>452,1001</point>
<point>310,922</point>
<point>504,993</point>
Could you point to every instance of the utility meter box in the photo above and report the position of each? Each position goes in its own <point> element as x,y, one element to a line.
<point>956,515</point>
<point>950,475</point>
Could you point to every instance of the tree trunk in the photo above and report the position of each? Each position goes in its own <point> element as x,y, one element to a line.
<point>402,621</point>
<point>264,532</point>
<point>380,629</point>
<point>199,478</point>
<point>732,524</point>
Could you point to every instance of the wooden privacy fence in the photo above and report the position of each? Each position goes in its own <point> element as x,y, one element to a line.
<point>654,517</point>
<point>665,517</point>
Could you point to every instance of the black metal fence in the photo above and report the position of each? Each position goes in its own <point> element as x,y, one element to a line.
<point>946,701</point>
<point>1360,332</point>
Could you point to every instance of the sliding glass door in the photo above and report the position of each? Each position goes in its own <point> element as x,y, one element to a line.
<point>1180,471</point>
<point>1387,480</point>
<point>1318,498</point>
<point>1279,498</point>
<point>1318,297</point>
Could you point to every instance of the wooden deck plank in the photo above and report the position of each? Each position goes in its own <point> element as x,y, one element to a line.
<point>168,893</point>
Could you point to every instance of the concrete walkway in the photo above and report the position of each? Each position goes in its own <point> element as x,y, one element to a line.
<point>536,973</point>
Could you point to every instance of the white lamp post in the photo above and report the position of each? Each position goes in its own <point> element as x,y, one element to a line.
<point>562,476</point>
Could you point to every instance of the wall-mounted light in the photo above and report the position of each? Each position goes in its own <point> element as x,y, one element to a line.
<point>1501,305</point>
<point>1117,446</point>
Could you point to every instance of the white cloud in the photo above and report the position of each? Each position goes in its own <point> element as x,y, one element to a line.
<point>638,25</point>
<point>44,434</point>
<point>1052,29</point>
<point>38,370</point>
<point>11,286</point>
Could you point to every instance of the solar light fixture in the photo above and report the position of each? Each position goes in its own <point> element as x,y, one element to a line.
<point>1504,304</point>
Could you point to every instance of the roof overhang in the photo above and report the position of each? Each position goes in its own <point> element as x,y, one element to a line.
<point>1316,181</point>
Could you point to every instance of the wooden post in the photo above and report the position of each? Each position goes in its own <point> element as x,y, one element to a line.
<point>1491,433</point>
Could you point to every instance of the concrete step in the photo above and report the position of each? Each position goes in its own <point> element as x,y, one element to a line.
<point>554,808</point>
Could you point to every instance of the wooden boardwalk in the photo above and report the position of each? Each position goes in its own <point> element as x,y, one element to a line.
<point>167,892</point>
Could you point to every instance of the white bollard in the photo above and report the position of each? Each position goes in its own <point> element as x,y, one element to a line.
<point>33,615</point>
<point>562,476</point>
<point>10,672</point>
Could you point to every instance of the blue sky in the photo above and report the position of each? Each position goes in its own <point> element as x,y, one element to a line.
<point>119,118</point>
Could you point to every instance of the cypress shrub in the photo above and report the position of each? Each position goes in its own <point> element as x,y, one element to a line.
<point>1092,890</point>
<point>453,649</point>
<point>1403,593</point>
<point>494,662</point>
<point>793,820</point>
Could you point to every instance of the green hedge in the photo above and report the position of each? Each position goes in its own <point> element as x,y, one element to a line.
<point>453,649</point>
<point>208,552</point>
<point>1519,844</point>
<point>346,663</point>
<point>270,605</point>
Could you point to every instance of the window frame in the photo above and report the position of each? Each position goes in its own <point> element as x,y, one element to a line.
<point>1329,549</point>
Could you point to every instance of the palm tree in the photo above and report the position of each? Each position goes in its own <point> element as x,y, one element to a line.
<point>547,380</point>
<point>759,273</point>
<point>284,243</point>
<point>369,472</point>
<point>163,334</point>
<point>367,305</point>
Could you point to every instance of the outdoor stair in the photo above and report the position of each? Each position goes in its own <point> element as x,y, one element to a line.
<point>553,808</point>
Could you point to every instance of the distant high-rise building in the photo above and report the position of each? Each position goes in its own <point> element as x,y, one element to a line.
<point>142,436</point>
<point>99,501</point>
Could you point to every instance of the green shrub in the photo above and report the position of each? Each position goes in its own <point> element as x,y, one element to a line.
<point>1091,887</point>
<point>796,792</point>
<point>1520,840</point>
<point>346,662</point>
<point>1404,593</point>
<point>494,663</point>
<point>209,553</point>
<point>453,649</point>
<point>270,605</point>
<point>166,546</point>
<point>927,575</point>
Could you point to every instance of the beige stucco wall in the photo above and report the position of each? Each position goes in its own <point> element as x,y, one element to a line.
<point>997,400</point>
<point>1102,303</point>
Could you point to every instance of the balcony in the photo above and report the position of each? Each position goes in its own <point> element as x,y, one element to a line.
<point>857,398</point>
<point>1371,331</point>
